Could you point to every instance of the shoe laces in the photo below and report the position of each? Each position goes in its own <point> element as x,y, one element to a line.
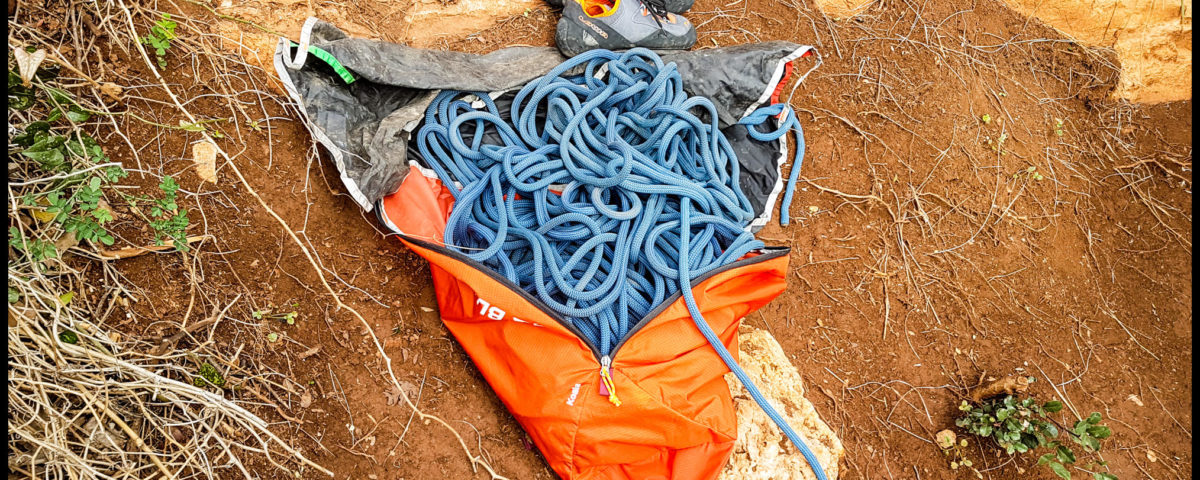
<point>658,8</point>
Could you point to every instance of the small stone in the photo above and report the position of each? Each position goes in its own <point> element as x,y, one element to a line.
<point>946,438</point>
<point>204,154</point>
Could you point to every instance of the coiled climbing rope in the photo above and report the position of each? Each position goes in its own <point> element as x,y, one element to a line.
<point>603,194</point>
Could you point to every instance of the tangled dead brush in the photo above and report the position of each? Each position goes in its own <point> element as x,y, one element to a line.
<point>84,401</point>
<point>81,405</point>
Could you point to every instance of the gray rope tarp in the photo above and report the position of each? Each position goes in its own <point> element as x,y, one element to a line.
<point>366,123</point>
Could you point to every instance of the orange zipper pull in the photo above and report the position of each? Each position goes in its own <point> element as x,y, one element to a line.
<point>606,382</point>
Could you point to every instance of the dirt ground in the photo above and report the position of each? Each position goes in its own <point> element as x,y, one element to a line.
<point>926,254</point>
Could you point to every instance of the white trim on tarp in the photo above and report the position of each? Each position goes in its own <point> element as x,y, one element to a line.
<point>282,63</point>
<point>302,53</point>
<point>776,77</point>
<point>762,220</point>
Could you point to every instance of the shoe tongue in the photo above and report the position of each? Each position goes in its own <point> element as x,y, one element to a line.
<point>597,7</point>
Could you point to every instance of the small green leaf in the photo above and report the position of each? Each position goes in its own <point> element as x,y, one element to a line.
<point>190,127</point>
<point>48,159</point>
<point>1052,406</point>
<point>1094,418</point>
<point>68,336</point>
<point>20,100</point>
<point>66,298</point>
<point>1064,454</point>
<point>13,295</point>
<point>1060,470</point>
<point>60,96</point>
<point>115,173</point>
<point>77,115</point>
<point>1031,441</point>
<point>1099,431</point>
<point>168,185</point>
<point>211,375</point>
<point>272,337</point>
<point>1103,476</point>
<point>102,216</point>
<point>31,133</point>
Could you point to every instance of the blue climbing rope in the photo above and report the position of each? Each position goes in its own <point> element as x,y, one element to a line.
<point>605,191</point>
<point>788,121</point>
<point>722,352</point>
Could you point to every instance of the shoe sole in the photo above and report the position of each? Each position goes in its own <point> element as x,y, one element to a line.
<point>574,37</point>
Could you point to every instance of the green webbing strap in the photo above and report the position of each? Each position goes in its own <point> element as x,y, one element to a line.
<point>333,62</point>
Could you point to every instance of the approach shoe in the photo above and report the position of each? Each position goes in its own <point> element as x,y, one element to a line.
<point>592,24</point>
<point>673,6</point>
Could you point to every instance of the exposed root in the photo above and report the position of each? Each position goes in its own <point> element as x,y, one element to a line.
<point>1001,386</point>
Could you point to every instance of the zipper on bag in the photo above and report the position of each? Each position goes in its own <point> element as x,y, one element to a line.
<point>606,382</point>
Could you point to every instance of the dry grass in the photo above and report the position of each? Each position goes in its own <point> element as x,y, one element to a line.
<point>85,401</point>
<point>106,406</point>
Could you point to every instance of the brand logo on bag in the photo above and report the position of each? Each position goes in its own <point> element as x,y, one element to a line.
<point>494,313</point>
<point>574,394</point>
